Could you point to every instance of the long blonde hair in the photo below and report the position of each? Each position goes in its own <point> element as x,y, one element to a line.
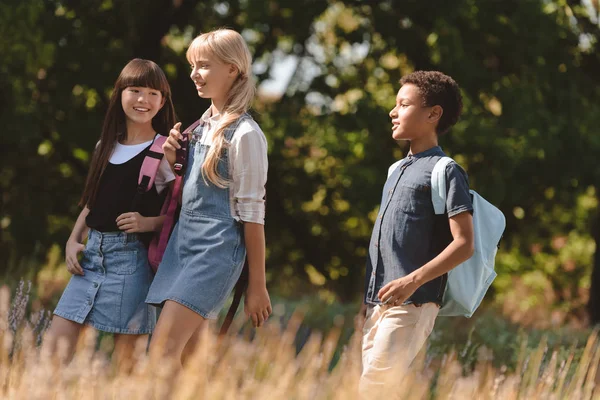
<point>229,47</point>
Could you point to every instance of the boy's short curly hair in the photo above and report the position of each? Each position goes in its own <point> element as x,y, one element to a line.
<point>437,88</point>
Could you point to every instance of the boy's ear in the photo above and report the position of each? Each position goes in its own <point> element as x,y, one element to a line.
<point>435,114</point>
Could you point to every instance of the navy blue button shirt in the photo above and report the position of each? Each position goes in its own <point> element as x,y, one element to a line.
<point>407,233</point>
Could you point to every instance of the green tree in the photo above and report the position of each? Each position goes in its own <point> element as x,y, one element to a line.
<point>529,72</point>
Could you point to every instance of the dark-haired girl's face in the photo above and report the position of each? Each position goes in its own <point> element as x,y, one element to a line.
<point>141,104</point>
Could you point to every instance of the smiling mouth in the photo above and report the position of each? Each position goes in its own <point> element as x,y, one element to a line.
<point>141,109</point>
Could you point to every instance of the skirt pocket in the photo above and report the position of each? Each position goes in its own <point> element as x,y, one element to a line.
<point>126,261</point>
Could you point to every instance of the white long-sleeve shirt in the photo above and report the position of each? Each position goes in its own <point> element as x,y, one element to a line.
<point>248,165</point>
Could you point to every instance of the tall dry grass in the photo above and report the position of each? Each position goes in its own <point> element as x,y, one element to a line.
<point>266,365</point>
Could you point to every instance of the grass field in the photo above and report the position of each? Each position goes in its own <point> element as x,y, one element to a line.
<point>271,363</point>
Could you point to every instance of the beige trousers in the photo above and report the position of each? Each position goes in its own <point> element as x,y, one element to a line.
<point>392,338</point>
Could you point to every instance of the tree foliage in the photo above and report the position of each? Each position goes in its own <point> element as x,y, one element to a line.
<point>528,138</point>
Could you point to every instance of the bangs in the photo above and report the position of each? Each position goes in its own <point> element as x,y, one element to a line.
<point>143,73</point>
<point>200,48</point>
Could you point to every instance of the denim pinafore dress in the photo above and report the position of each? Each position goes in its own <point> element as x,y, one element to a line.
<point>206,251</point>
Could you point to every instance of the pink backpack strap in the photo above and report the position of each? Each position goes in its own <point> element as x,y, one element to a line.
<point>150,165</point>
<point>193,126</point>
<point>170,215</point>
<point>170,211</point>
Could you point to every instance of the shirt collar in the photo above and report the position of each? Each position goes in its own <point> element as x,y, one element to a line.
<point>435,150</point>
<point>207,117</point>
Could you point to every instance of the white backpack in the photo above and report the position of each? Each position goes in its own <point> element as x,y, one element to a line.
<point>469,281</point>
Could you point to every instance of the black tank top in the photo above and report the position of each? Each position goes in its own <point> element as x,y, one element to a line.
<point>117,194</point>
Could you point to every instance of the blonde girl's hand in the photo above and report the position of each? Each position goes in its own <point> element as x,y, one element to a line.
<point>71,250</point>
<point>257,305</point>
<point>132,222</point>
<point>171,145</point>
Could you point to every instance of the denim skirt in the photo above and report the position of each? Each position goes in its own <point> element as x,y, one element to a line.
<point>111,294</point>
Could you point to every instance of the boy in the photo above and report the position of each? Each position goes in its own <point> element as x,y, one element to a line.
<point>411,248</point>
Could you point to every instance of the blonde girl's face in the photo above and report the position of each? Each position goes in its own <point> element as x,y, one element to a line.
<point>212,78</point>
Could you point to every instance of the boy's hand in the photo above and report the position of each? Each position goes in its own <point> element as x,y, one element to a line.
<point>257,304</point>
<point>171,145</point>
<point>132,222</point>
<point>71,250</point>
<point>397,291</point>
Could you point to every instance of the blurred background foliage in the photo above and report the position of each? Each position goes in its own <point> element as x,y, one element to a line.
<point>327,72</point>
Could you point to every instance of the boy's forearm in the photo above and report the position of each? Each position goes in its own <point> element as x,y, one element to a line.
<point>458,251</point>
<point>254,237</point>
<point>80,229</point>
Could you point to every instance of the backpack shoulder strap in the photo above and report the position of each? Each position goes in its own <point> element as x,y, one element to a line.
<point>193,126</point>
<point>393,167</point>
<point>230,130</point>
<point>438,185</point>
<point>150,164</point>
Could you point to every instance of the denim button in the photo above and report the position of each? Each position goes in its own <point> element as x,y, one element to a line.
<point>95,284</point>
<point>89,302</point>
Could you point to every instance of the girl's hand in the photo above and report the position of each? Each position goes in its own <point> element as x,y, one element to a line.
<point>171,145</point>
<point>71,250</point>
<point>257,304</point>
<point>397,291</point>
<point>132,222</point>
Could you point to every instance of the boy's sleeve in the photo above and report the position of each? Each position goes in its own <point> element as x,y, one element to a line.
<point>458,197</point>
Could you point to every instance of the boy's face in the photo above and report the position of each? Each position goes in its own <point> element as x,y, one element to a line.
<point>410,120</point>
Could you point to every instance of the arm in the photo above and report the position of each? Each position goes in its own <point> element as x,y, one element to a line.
<point>132,222</point>
<point>74,243</point>
<point>257,301</point>
<point>250,164</point>
<point>459,250</point>
<point>254,238</point>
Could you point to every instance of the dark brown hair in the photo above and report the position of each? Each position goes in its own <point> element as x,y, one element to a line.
<point>438,89</point>
<point>140,73</point>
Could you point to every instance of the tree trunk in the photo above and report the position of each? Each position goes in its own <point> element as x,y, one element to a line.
<point>594,302</point>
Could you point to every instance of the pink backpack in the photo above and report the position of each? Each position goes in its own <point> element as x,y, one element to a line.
<point>171,206</point>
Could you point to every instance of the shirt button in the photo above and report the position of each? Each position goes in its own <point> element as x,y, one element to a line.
<point>376,245</point>
<point>89,302</point>
<point>95,284</point>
